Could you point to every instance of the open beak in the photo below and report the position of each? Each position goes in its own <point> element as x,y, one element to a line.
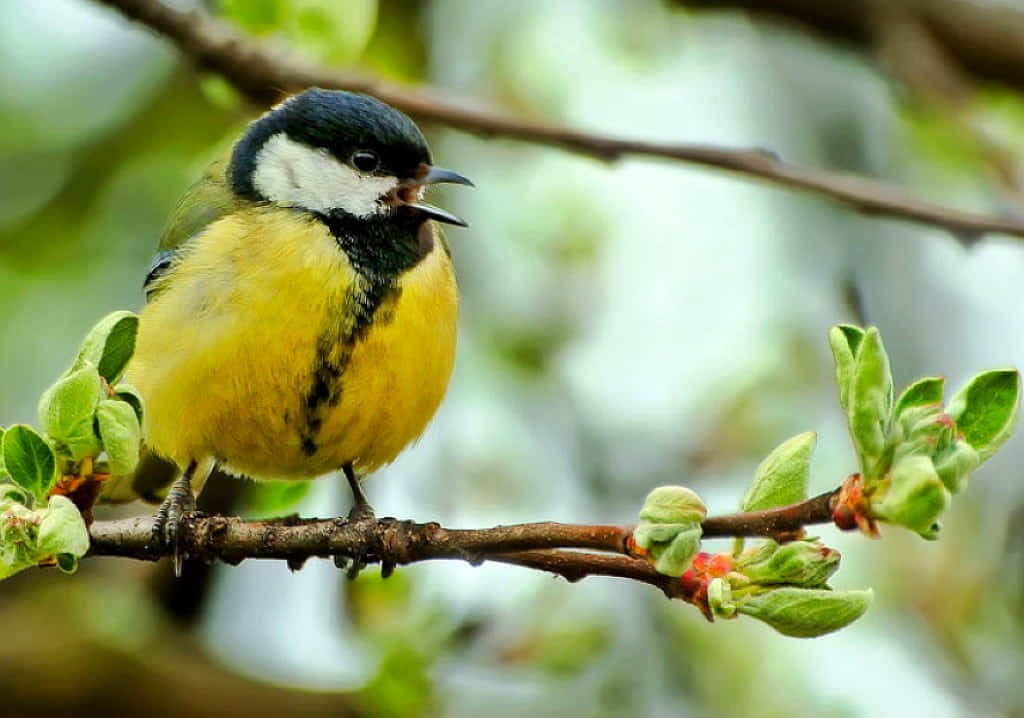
<point>409,192</point>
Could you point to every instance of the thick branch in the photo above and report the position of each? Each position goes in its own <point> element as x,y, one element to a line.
<point>263,76</point>
<point>545,546</point>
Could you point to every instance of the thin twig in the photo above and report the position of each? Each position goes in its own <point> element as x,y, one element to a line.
<point>264,76</point>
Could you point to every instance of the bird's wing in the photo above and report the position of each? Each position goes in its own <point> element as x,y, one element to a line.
<point>209,199</point>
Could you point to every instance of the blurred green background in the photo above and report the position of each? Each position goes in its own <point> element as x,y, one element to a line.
<point>622,326</point>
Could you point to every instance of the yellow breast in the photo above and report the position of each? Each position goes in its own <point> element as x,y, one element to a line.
<point>247,353</point>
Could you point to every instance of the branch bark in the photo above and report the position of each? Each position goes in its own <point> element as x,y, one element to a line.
<point>264,76</point>
<point>566,550</point>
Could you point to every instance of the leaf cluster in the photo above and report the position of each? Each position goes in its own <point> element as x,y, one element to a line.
<point>915,453</point>
<point>90,428</point>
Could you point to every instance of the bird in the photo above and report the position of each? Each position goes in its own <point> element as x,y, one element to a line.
<point>301,311</point>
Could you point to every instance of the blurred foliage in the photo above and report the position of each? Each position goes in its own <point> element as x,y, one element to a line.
<point>328,30</point>
<point>613,337</point>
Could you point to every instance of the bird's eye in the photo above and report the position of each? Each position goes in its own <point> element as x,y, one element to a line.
<point>365,160</point>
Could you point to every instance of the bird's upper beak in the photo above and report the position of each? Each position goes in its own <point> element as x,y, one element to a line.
<point>408,193</point>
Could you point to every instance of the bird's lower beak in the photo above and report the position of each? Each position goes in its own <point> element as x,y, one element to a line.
<point>409,193</point>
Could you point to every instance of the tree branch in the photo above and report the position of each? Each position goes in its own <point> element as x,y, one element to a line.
<point>264,76</point>
<point>984,38</point>
<point>562,549</point>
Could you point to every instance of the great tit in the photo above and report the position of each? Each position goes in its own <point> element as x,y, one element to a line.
<point>301,310</point>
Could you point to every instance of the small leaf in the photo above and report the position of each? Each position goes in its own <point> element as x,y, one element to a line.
<point>121,434</point>
<point>955,464</point>
<point>11,492</point>
<point>782,477</point>
<point>853,335</point>
<point>844,340</point>
<point>985,409</point>
<point>110,345</point>
<point>798,563</point>
<point>128,393</point>
<point>67,563</point>
<point>66,411</point>
<point>806,613</point>
<point>870,404</point>
<point>673,505</point>
<point>720,598</point>
<point>61,530</point>
<point>922,392</point>
<point>916,496</point>
<point>29,460</point>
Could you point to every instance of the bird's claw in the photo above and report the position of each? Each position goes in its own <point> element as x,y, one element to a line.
<point>169,521</point>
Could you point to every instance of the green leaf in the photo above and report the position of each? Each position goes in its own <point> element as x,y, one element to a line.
<point>916,497</point>
<point>62,530</point>
<point>922,392</point>
<point>854,336</point>
<point>12,492</point>
<point>67,563</point>
<point>797,563</point>
<point>673,557</point>
<point>720,598</point>
<point>121,434</point>
<point>29,460</point>
<point>985,409</point>
<point>110,345</point>
<point>844,340</point>
<point>806,613</point>
<point>673,505</point>
<point>66,411</point>
<point>782,477</point>
<point>870,404</point>
<point>955,464</point>
<point>128,393</point>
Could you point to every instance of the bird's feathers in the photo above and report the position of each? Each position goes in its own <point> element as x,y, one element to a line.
<point>250,351</point>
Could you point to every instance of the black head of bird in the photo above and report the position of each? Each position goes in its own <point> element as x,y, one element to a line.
<point>345,156</point>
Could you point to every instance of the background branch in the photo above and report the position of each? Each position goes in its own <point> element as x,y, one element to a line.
<point>985,38</point>
<point>264,76</point>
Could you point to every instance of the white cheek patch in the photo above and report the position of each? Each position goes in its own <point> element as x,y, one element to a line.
<point>292,174</point>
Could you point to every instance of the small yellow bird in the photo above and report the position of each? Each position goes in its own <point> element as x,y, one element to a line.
<point>301,311</point>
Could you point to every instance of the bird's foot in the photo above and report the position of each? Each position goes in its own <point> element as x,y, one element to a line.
<point>169,520</point>
<point>361,511</point>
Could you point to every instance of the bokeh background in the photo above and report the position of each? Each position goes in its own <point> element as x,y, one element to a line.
<point>622,326</point>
